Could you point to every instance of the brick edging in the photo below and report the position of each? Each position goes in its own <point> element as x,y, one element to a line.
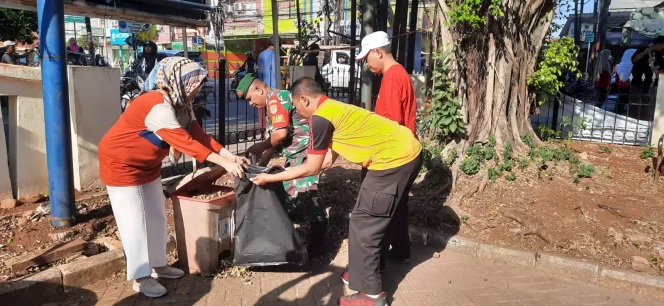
<point>38,287</point>
<point>577,269</point>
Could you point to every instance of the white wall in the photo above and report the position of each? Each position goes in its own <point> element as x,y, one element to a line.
<point>94,95</point>
<point>94,99</point>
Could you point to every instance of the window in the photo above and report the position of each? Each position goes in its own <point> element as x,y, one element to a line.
<point>286,9</point>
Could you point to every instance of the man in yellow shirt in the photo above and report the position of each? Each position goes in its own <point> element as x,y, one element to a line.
<point>392,156</point>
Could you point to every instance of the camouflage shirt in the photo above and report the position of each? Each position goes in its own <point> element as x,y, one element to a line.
<point>282,115</point>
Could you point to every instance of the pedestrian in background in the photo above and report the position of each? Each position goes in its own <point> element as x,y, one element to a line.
<point>10,56</point>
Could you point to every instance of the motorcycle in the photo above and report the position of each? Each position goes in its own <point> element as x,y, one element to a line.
<point>131,86</point>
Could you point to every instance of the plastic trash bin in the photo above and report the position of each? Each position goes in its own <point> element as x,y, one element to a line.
<point>203,228</point>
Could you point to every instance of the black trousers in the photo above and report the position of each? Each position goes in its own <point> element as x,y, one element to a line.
<point>379,218</point>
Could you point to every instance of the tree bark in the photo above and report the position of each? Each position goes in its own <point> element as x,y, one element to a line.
<point>491,66</point>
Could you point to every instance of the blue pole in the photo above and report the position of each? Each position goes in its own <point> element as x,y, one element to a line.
<point>56,111</point>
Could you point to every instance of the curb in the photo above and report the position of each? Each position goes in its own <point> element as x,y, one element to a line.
<point>37,288</point>
<point>581,270</point>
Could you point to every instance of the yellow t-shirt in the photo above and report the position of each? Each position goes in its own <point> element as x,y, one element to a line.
<point>361,136</point>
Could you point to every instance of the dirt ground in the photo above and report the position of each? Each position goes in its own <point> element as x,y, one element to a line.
<point>609,219</point>
<point>23,230</point>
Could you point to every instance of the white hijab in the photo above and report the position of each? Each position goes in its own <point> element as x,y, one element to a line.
<point>624,69</point>
<point>603,63</point>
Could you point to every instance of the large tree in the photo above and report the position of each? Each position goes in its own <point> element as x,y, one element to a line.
<point>18,25</point>
<point>492,48</point>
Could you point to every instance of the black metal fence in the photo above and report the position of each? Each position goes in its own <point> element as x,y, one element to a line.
<point>238,125</point>
<point>624,115</point>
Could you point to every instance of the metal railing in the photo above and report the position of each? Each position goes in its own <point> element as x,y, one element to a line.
<point>621,115</point>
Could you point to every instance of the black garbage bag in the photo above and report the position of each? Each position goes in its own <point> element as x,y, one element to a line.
<point>264,235</point>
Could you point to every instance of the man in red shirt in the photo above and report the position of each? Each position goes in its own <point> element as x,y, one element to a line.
<point>396,98</point>
<point>397,102</point>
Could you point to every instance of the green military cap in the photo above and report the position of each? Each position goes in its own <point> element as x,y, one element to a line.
<point>243,86</point>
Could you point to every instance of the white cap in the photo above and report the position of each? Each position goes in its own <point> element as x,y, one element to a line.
<point>372,41</point>
<point>8,43</point>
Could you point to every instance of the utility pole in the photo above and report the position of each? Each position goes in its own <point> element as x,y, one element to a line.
<point>593,52</point>
<point>396,26</point>
<point>277,47</point>
<point>410,62</point>
<point>353,43</point>
<point>51,14</point>
<point>368,27</point>
<point>91,46</point>
<point>577,23</point>
<point>603,16</point>
<point>185,43</point>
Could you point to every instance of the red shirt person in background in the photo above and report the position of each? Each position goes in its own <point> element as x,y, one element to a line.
<point>396,101</point>
<point>396,98</point>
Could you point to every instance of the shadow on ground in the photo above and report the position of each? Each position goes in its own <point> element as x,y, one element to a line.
<point>30,293</point>
<point>340,187</point>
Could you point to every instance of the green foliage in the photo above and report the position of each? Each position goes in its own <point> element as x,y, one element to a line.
<point>431,153</point>
<point>546,154</point>
<point>648,152</point>
<point>18,25</point>
<point>546,133</point>
<point>510,177</point>
<point>477,155</point>
<point>83,42</point>
<point>523,163</point>
<point>560,55</point>
<point>585,171</point>
<point>493,174</point>
<point>575,126</point>
<point>470,165</point>
<point>605,150</point>
<point>506,166</point>
<point>450,158</point>
<point>474,13</point>
<point>528,140</point>
<point>507,154</point>
<point>445,112</point>
<point>464,218</point>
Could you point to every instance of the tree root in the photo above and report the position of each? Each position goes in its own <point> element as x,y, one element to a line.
<point>613,210</point>
<point>534,227</point>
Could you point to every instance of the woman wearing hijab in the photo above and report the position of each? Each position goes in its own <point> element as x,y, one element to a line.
<point>130,158</point>
<point>74,47</point>
<point>603,75</point>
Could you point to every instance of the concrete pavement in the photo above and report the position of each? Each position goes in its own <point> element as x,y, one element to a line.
<point>445,278</point>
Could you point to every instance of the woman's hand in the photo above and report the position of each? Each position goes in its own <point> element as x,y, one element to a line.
<point>242,160</point>
<point>234,168</point>
<point>262,179</point>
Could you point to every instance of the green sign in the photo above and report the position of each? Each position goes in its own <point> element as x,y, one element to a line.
<point>177,45</point>
<point>76,19</point>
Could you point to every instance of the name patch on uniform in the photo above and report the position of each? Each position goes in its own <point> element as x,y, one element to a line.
<point>277,118</point>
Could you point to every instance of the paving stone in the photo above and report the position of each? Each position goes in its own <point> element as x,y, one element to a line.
<point>453,279</point>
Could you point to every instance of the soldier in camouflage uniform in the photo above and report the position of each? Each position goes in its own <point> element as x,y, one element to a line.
<point>289,135</point>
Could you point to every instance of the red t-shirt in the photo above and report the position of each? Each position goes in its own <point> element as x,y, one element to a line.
<point>396,98</point>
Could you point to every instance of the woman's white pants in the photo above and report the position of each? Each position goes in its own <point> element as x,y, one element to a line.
<point>140,213</point>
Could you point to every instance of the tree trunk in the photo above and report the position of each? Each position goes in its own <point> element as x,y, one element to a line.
<point>492,64</point>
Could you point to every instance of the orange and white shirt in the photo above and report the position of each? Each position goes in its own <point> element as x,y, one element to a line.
<point>132,151</point>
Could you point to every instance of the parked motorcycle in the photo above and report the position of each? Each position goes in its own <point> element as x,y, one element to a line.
<point>130,87</point>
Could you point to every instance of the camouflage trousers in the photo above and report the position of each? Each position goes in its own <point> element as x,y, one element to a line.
<point>304,199</point>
